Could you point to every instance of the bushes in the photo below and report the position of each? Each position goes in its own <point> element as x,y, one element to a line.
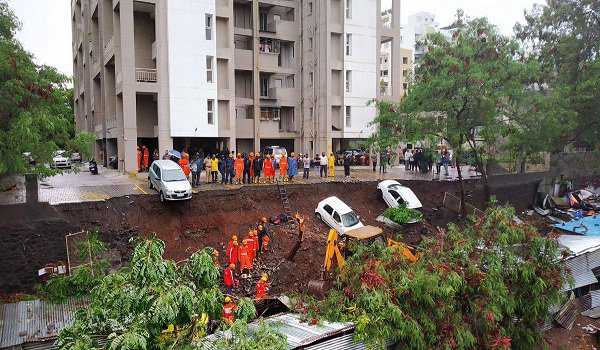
<point>403,215</point>
<point>466,292</point>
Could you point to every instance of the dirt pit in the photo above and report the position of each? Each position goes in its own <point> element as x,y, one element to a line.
<point>34,236</point>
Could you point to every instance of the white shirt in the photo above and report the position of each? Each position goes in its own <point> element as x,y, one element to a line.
<point>323,160</point>
<point>306,161</point>
<point>408,155</point>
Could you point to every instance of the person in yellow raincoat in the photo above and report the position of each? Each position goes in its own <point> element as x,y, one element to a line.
<point>331,164</point>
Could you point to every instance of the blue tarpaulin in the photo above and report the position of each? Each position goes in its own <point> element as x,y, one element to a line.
<point>589,226</point>
<point>175,153</point>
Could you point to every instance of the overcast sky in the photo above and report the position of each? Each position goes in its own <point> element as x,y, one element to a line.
<point>47,27</point>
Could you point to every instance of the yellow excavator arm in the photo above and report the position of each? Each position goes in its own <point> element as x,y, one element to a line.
<point>407,251</point>
<point>333,251</point>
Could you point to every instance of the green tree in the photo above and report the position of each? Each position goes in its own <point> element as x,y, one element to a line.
<point>155,304</point>
<point>461,94</point>
<point>36,106</point>
<point>564,37</point>
<point>487,285</point>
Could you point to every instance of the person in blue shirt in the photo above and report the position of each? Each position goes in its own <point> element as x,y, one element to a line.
<point>292,167</point>
<point>229,170</point>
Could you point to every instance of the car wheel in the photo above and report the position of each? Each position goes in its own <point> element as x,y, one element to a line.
<point>162,197</point>
<point>150,186</point>
<point>319,217</point>
<point>380,192</point>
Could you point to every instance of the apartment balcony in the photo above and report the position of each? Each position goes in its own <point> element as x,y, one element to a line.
<point>281,29</point>
<point>284,96</point>
<point>243,59</point>
<point>268,61</point>
<point>145,75</point>
<point>109,50</point>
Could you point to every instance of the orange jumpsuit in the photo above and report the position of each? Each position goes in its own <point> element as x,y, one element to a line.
<point>233,252</point>
<point>229,312</point>
<point>283,166</point>
<point>239,168</point>
<point>184,163</point>
<point>261,289</point>
<point>253,246</point>
<point>146,154</point>
<point>265,243</point>
<point>245,259</point>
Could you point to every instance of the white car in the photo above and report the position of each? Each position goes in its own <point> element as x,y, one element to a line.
<point>394,195</point>
<point>337,215</point>
<point>169,180</point>
<point>60,159</point>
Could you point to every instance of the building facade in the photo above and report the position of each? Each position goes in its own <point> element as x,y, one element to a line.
<point>419,25</point>
<point>239,75</point>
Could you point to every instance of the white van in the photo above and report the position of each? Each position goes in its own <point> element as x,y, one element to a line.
<point>169,180</point>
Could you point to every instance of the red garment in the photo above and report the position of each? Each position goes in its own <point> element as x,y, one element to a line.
<point>139,159</point>
<point>253,247</point>
<point>228,277</point>
<point>261,289</point>
<point>268,168</point>
<point>265,243</point>
<point>146,157</point>
<point>245,259</point>
<point>185,166</point>
<point>232,253</point>
<point>229,312</point>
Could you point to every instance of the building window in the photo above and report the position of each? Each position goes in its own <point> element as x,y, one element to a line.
<point>310,8</point>
<point>404,60</point>
<point>348,116</point>
<point>348,44</point>
<point>348,81</point>
<point>404,73</point>
<point>310,79</point>
<point>209,26</point>
<point>310,43</point>
<point>210,111</point>
<point>348,9</point>
<point>209,69</point>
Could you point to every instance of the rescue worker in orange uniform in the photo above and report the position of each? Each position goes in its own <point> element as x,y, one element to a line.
<point>238,164</point>
<point>265,244</point>
<point>283,167</point>
<point>252,244</point>
<point>268,168</point>
<point>139,159</point>
<point>146,156</point>
<point>229,309</point>
<point>233,250</point>
<point>262,287</point>
<point>245,259</point>
<point>184,163</point>
<point>228,278</point>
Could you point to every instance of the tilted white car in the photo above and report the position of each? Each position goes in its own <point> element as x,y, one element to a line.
<point>394,195</point>
<point>337,215</point>
<point>169,180</point>
<point>60,160</point>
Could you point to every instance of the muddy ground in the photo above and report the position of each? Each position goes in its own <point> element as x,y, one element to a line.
<point>33,236</point>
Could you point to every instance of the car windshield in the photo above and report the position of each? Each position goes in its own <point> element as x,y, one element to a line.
<point>59,153</point>
<point>278,151</point>
<point>349,219</point>
<point>173,175</point>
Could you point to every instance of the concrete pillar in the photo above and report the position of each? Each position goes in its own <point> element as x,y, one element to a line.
<point>256,73</point>
<point>165,141</point>
<point>129,143</point>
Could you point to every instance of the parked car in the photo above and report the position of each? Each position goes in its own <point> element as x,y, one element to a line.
<point>75,157</point>
<point>337,215</point>
<point>394,195</point>
<point>60,160</point>
<point>167,178</point>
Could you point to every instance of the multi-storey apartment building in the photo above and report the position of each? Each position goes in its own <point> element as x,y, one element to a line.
<point>230,74</point>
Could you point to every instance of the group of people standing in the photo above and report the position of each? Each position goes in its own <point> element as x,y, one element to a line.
<point>422,160</point>
<point>254,168</point>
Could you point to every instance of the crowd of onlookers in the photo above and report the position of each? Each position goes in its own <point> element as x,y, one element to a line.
<point>254,168</point>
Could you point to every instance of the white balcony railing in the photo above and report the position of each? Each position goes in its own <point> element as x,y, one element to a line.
<point>145,75</point>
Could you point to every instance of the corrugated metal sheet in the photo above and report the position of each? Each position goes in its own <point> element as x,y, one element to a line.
<point>301,335</point>
<point>35,321</point>
<point>580,271</point>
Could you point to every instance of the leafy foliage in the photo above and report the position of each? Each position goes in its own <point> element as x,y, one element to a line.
<point>403,215</point>
<point>564,38</point>
<point>155,304</point>
<point>36,106</point>
<point>264,337</point>
<point>481,286</point>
